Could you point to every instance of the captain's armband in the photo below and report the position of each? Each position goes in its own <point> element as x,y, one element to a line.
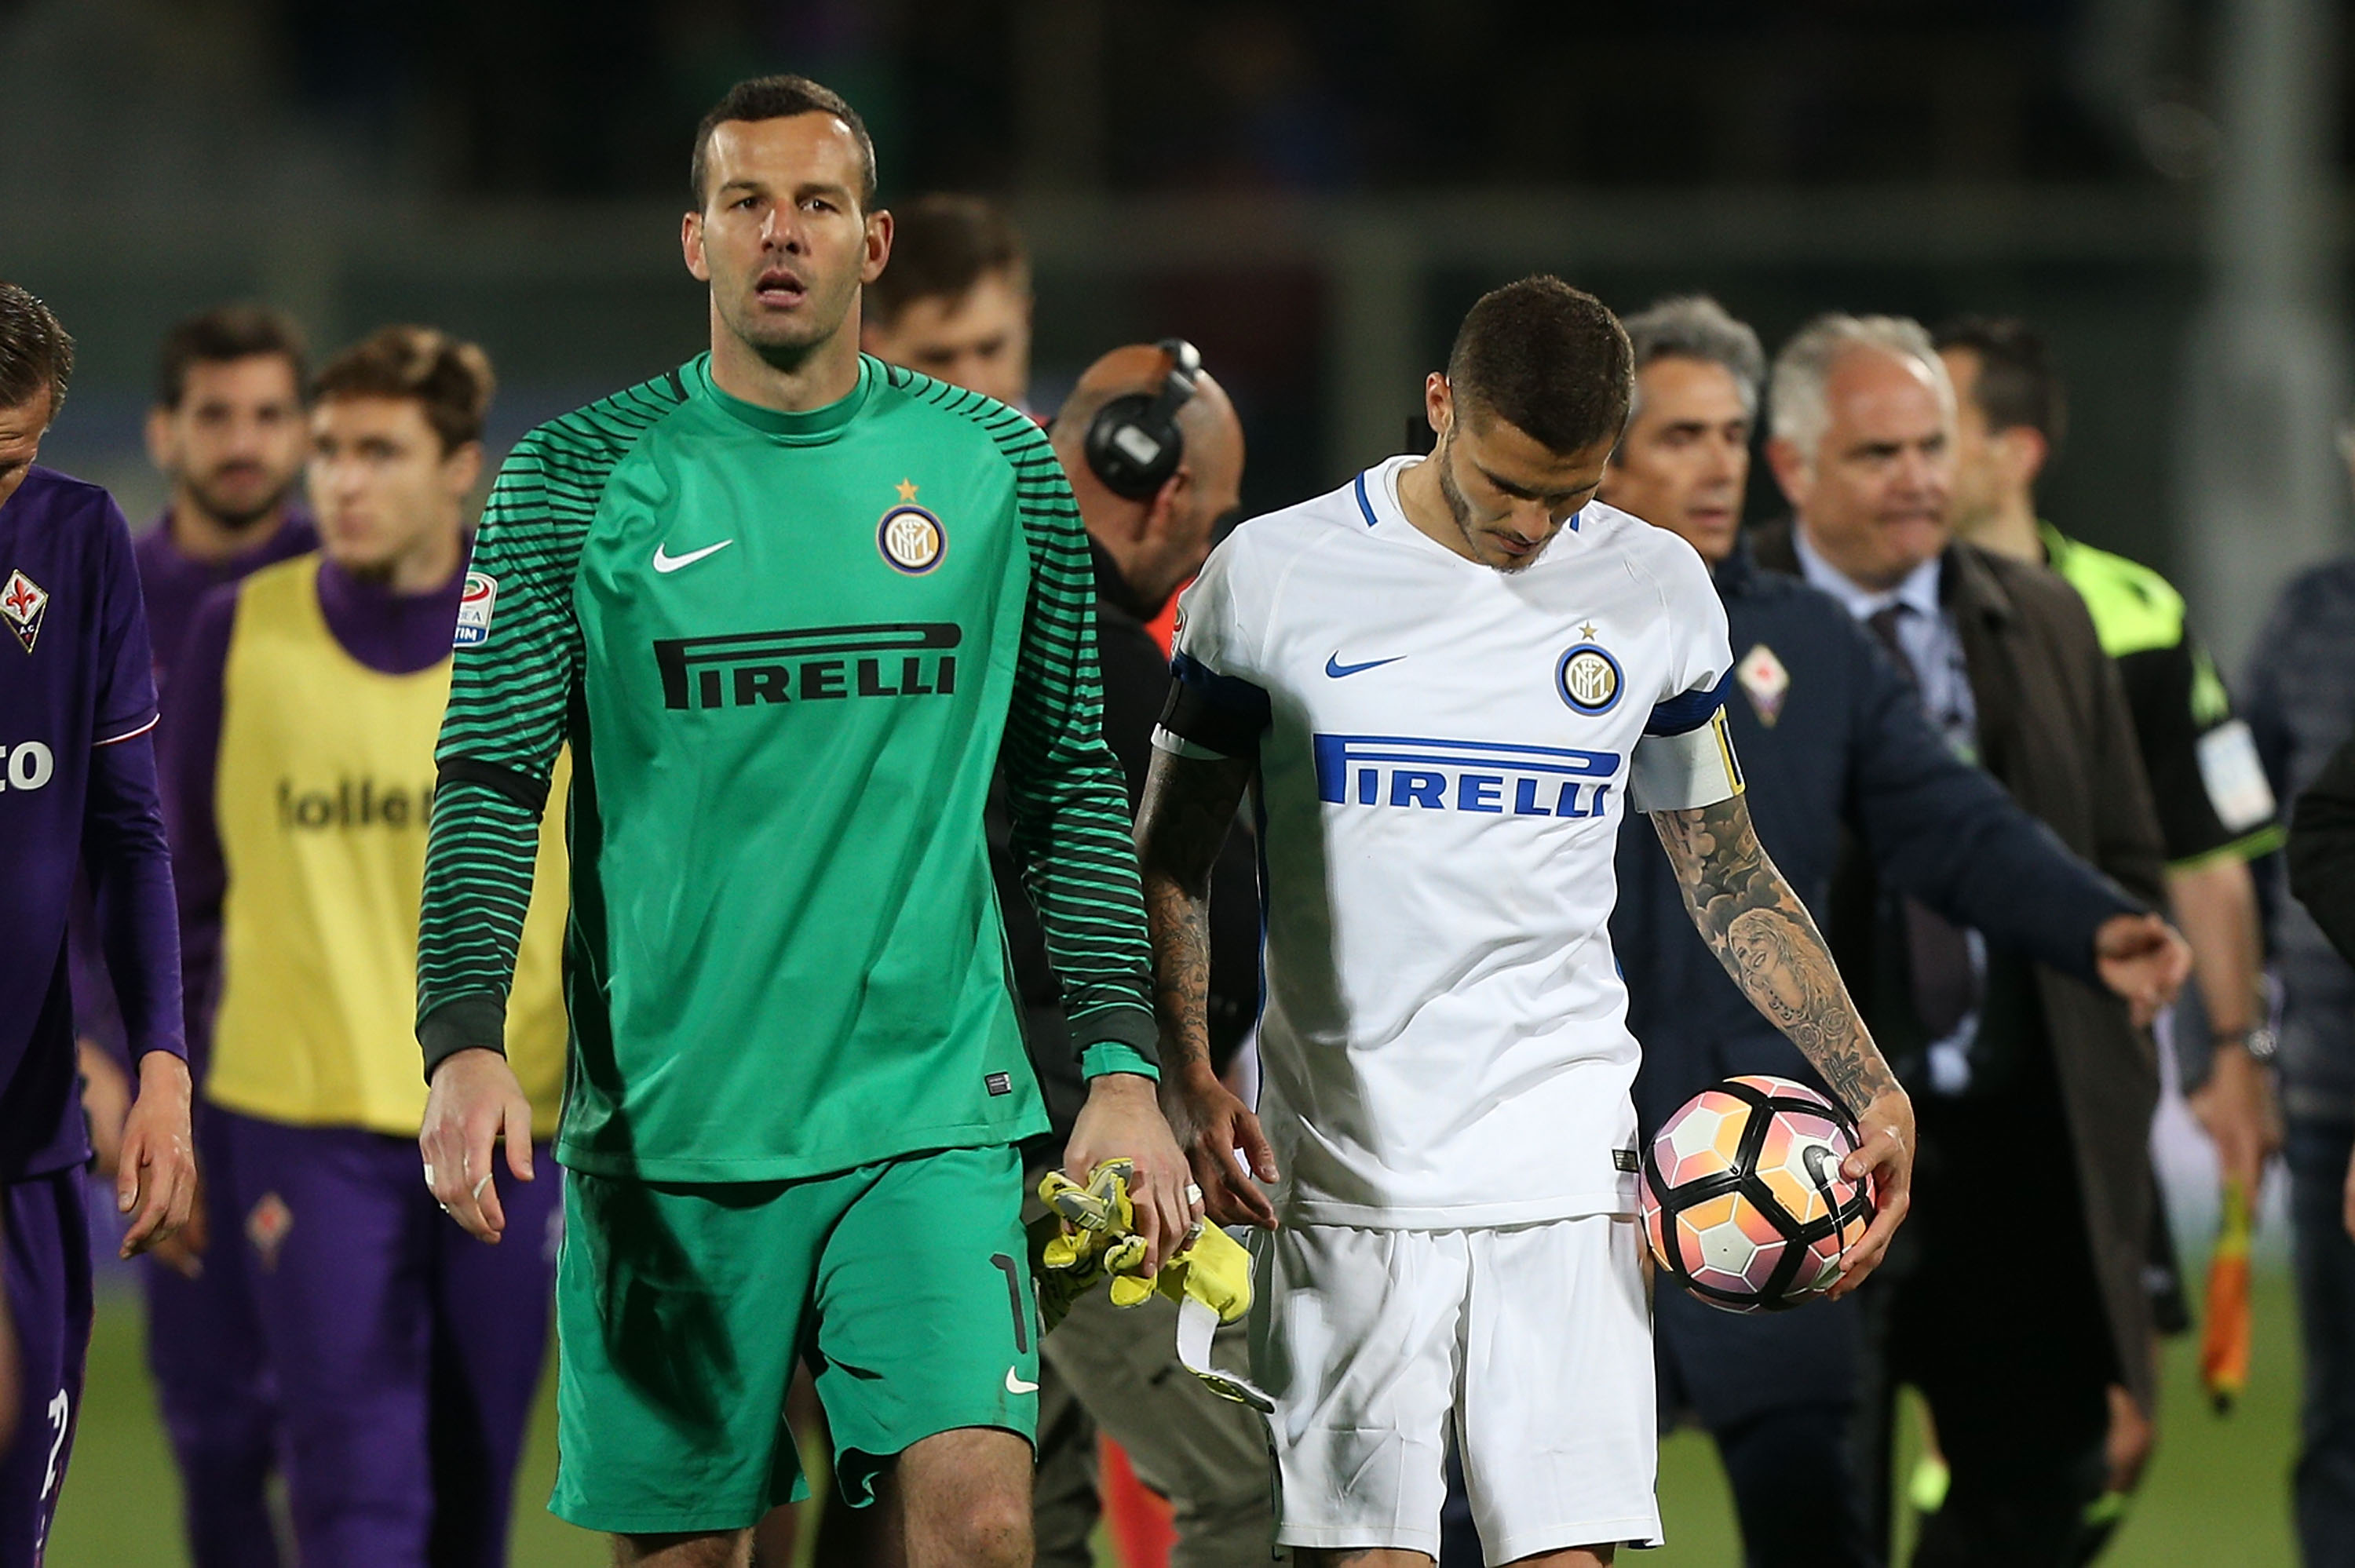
<point>1685,759</point>
<point>1211,715</point>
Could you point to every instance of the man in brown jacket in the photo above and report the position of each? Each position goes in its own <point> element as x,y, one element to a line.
<point>2019,1300</point>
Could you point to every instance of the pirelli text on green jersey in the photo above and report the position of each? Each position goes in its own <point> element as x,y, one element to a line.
<point>787,651</point>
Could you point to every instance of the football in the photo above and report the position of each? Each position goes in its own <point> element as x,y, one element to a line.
<point>1742,1198</point>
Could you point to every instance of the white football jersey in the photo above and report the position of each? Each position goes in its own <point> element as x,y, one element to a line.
<point>1445,754</point>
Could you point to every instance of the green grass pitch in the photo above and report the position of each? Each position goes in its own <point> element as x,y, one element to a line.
<point>2217,1491</point>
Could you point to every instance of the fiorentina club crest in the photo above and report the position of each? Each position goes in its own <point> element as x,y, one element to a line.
<point>1765,682</point>
<point>23,603</point>
<point>267,1227</point>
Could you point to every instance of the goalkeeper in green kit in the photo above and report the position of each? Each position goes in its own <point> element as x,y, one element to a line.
<point>783,604</point>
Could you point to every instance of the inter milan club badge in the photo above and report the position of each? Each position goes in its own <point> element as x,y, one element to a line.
<point>910,538</point>
<point>23,603</point>
<point>1587,676</point>
<point>1764,681</point>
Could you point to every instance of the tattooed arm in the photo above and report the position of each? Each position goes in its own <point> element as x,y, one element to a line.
<point>1764,938</point>
<point>1189,804</point>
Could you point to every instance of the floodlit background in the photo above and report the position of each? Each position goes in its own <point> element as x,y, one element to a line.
<point>1312,193</point>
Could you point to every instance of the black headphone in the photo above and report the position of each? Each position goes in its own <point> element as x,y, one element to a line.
<point>1134,444</point>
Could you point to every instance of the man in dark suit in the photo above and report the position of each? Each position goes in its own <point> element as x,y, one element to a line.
<point>2322,860</point>
<point>2020,1300</point>
<point>1836,744</point>
<point>2300,687</point>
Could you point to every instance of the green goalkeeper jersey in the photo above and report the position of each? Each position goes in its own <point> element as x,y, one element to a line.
<point>784,650</point>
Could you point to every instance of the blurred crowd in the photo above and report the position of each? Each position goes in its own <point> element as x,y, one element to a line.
<point>534,97</point>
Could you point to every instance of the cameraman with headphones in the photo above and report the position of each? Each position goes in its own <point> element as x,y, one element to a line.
<point>1155,455</point>
<point>1155,458</point>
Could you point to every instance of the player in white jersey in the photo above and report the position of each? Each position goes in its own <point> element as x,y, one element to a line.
<point>1445,684</point>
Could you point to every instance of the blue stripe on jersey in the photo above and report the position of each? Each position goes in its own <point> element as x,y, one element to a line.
<point>1232,693</point>
<point>1681,716</point>
<point>1338,750</point>
<point>1423,771</point>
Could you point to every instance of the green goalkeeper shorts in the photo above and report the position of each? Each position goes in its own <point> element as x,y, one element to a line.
<point>680,1309</point>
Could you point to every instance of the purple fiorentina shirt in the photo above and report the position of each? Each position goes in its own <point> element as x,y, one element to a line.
<point>77,789</point>
<point>176,583</point>
<point>395,634</point>
<point>173,583</point>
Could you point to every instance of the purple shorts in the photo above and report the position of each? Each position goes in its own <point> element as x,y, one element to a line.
<point>49,1293</point>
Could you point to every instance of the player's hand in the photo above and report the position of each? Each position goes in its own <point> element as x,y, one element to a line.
<point>106,1101</point>
<point>183,1251</point>
<point>1886,1155</point>
<point>1122,1120</point>
<point>2144,960</point>
<point>472,1102</point>
<point>1214,1126</point>
<point>156,1178</point>
<point>2128,1447</point>
<point>2236,1106</point>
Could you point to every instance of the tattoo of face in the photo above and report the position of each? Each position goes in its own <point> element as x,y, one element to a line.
<point>1764,938</point>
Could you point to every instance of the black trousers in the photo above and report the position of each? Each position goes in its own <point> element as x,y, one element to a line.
<point>1992,1311</point>
<point>1776,1391</point>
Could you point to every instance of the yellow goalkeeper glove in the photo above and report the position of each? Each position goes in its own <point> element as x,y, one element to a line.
<point>1212,1268</point>
<point>1086,1233</point>
<point>1090,1233</point>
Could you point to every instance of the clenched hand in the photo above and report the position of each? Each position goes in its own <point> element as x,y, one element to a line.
<point>2144,960</point>
<point>156,1174</point>
<point>1122,1120</point>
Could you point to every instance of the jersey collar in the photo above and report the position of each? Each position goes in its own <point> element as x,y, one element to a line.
<point>1379,509</point>
<point>813,428</point>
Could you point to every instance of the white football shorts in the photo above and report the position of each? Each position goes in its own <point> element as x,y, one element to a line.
<point>1534,1341</point>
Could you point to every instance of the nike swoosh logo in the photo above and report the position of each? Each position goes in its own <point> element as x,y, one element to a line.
<point>1016,1385</point>
<point>667,564</point>
<point>1335,668</point>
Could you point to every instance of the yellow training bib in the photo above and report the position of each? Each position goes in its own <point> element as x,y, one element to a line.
<point>324,794</point>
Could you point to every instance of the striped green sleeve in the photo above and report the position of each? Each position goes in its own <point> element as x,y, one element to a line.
<point>1071,826</point>
<point>511,695</point>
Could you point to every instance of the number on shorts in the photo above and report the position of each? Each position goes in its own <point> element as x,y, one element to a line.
<point>1014,1300</point>
<point>60,1414</point>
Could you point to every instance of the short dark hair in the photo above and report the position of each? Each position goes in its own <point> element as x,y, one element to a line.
<point>778,97</point>
<point>450,379</point>
<point>223,333</point>
<point>940,246</point>
<point>1548,359</point>
<point>36,351</point>
<point>2017,382</point>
